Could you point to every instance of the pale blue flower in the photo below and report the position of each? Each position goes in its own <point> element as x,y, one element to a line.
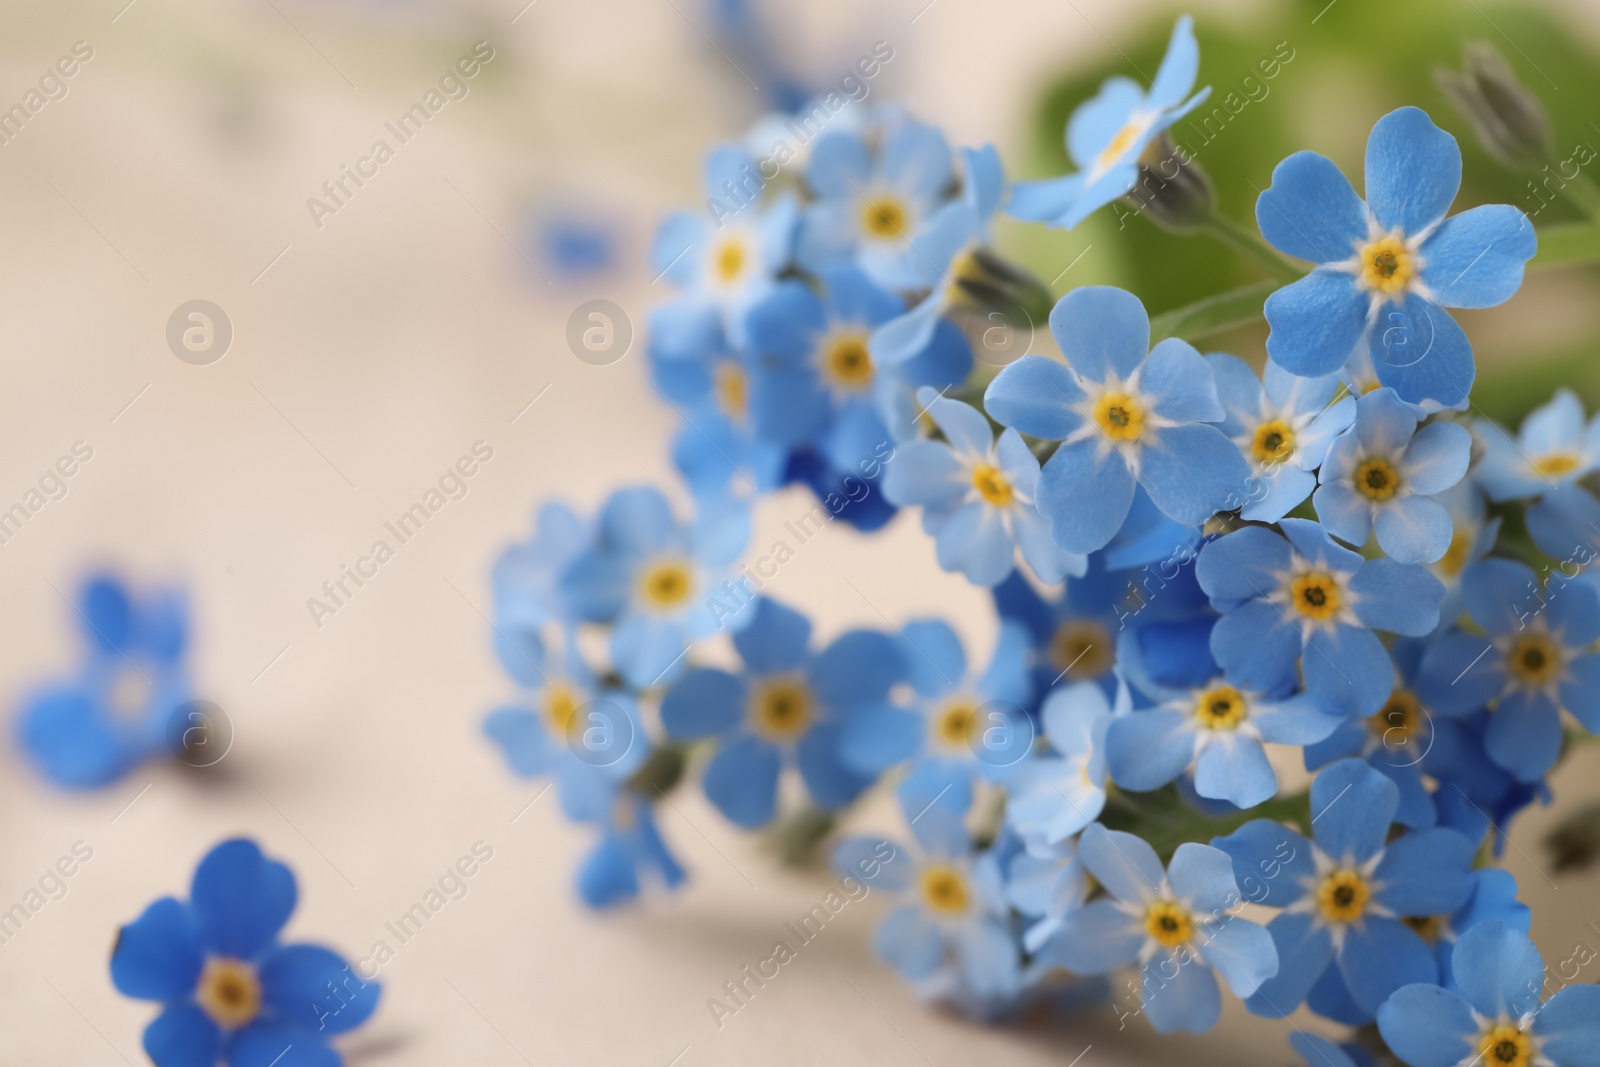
<point>1555,446</point>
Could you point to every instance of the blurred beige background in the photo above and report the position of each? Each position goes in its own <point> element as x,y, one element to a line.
<point>367,355</point>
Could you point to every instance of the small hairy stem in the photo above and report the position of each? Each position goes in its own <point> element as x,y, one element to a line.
<point>1248,243</point>
<point>1232,308</point>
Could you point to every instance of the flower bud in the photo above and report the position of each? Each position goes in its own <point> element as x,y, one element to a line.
<point>1172,189</point>
<point>1509,120</point>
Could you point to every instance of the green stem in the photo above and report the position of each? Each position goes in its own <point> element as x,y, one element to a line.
<point>1232,308</point>
<point>1567,244</point>
<point>1584,194</point>
<point>1248,243</point>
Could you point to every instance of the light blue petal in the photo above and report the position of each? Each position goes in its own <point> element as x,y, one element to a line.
<point>1460,673</point>
<point>1202,877</point>
<point>1499,593</point>
<point>1045,201</point>
<point>1097,938</point>
<point>1235,768</point>
<point>1315,322</point>
<point>1101,330</point>
<point>1242,952</point>
<point>1580,694</point>
<point>1304,952</point>
<point>1497,970</point>
<point>858,667</point>
<point>1073,715</point>
<point>1124,864</point>
<point>1035,395</point>
<point>875,739</point>
<point>1085,499</point>
<point>637,520</point>
<point>1271,863</point>
<point>1238,391</point>
<point>1147,749</point>
<point>1397,598</point>
<point>1241,565</point>
<point>1178,68</point>
<point>1192,472</point>
<point>1437,458</point>
<point>1352,806</point>
<point>1313,542</point>
<point>831,782</point>
<point>703,703</point>
<point>1315,439</point>
<point>881,863</point>
<point>1180,383</point>
<point>1426,872</point>
<point>1569,1027</point>
<point>975,542</point>
<point>776,640</point>
<point>917,160</point>
<point>934,656</point>
<point>1311,211</point>
<point>1428,1026</point>
<point>1421,352</point>
<point>909,942</point>
<point>1381,955</point>
<point>1416,529</point>
<point>838,166</point>
<point>742,781</point>
<point>1413,171</point>
<point>1256,647</point>
<point>1097,121</point>
<point>1187,1001</point>
<point>964,426</point>
<point>903,338</point>
<point>925,473</point>
<point>1300,720</point>
<point>1475,259</point>
<point>1524,735</point>
<point>990,961</point>
<point>648,649</point>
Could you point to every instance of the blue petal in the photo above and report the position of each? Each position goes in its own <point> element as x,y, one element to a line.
<point>648,649</point>
<point>1147,749</point>
<point>1235,768</point>
<point>1413,171</point>
<point>1123,863</point>
<point>1242,952</point>
<point>1460,673</point>
<point>910,943</point>
<point>1097,938</point>
<point>1187,1001</point>
<point>1101,330</point>
<point>1524,735</point>
<point>964,426</point>
<point>1580,693</point>
<point>1426,872</point>
<point>1398,598</point>
<point>106,613</point>
<point>1319,1051</point>
<point>1304,951</point>
<point>1096,122</point>
<point>974,541</point>
<point>1315,322</point>
<point>1035,395</point>
<point>637,520</point>
<point>1497,970</point>
<point>1499,593</point>
<point>838,166</point>
<point>1271,863</point>
<point>69,740</point>
<point>1428,1026</point>
<point>1381,955</point>
<point>1192,472</point>
<point>1179,65</point>
<point>990,963</point>
<point>266,1044</point>
<point>902,338</point>
<point>1475,259</point>
<point>776,639</point>
<point>933,655</point>
<point>1242,565</point>
<point>1085,499</point>
<point>859,667</point>
<point>703,703</point>
<point>1568,1027</point>
<point>831,783</point>
<point>877,738</point>
<point>1415,529</point>
<point>183,1036</point>
<point>1352,806</point>
<point>158,956</point>
<point>1437,457</point>
<point>1202,877</point>
<point>1045,201</point>
<point>522,738</point>
<point>1311,211</point>
<point>742,781</point>
<point>1256,646</point>
<point>875,860</point>
<point>1421,352</point>
<point>1180,383</point>
<point>241,899</point>
<point>314,989</point>
<point>917,160</point>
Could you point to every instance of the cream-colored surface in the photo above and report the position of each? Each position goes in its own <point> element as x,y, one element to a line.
<point>368,357</point>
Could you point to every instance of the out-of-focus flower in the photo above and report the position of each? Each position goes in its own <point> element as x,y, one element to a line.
<point>1510,121</point>
<point>1555,446</point>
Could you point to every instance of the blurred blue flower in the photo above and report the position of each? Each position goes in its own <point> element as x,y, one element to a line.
<point>230,992</point>
<point>94,727</point>
<point>660,583</point>
<point>1387,267</point>
<point>977,496</point>
<point>1303,597</point>
<point>1178,924</point>
<point>1283,425</point>
<point>1107,135</point>
<point>1383,474</point>
<point>630,851</point>
<point>717,443</point>
<point>1554,447</point>
<point>1053,796</point>
<point>789,705</point>
<point>1472,536</point>
<point>527,581</point>
<point>1320,1052</point>
<point>1493,899</point>
<point>961,724</point>
<point>1073,634</point>
<point>1493,1014</point>
<point>1046,887</point>
<point>1342,895</point>
<point>1533,660</point>
<point>1126,416</point>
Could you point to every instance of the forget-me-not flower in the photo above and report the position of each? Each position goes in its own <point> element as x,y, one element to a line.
<point>1301,597</point>
<point>230,992</point>
<point>1074,633</point>
<point>789,705</point>
<point>1126,416</point>
<point>659,582</point>
<point>1344,894</point>
<point>1494,1015</point>
<point>1554,446</point>
<point>977,495</point>
<point>1056,794</point>
<point>1388,266</point>
<point>1177,924</point>
<point>1283,425</point>
<point>1046,886</point>
<point>1382,475</point>
<point>1107,135</point>
<point>630,851</point>
<point>1533,660</point>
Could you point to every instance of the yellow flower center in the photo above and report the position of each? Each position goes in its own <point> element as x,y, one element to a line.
<point>953,725</point>
<point>1315,595</point>
<point>992,484</point>
<point>1274,442</point>
<point>1535,659</point>
<point>729,261</point>
<point>1398,719</point>
<point>1113,152</point>
<point>1376,479</point>
<point>1222,708</point>
<point>1455,557</point>
<point>1343,896</point>
<point>1557,463</point>
<point>884,217</point>
<point>1119,416</point>
<point>846,363</point>
<point>1503,1045</point>
<point>945,890</point>
<point>781,708</point>
<point>732,390</point>
<point>1082,649</point>
<point>1427,927</point>
<point>561,710</point>
<point>1387,266</point>
<point>666,584</point>
<point>1168,923</point>
<point>229,992</point>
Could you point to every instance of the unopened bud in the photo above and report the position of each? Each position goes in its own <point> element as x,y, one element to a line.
<point>1172,189</point>
<point>1509,120</point>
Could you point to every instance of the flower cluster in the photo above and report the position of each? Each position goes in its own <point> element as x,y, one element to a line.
<point>1211,585</point>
